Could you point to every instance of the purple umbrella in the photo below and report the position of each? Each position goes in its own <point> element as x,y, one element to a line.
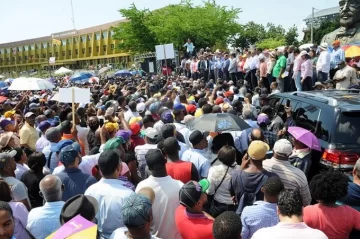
<point>305,137</point>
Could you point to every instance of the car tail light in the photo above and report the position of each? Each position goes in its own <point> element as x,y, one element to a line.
<point>339,159</point>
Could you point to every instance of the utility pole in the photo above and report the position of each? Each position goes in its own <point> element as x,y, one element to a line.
<point>72,14</point>
<point>312,25</point>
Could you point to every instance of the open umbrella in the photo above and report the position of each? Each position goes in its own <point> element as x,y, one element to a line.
<point>9,80</point>
<point>81,77</point>
<point>123,73</point>
<point>218,123</point>
<point>103,70</point>
<point>63,71</point>
<point>76,228</point>
<point>23,83</point>
<point>352,51</point>
<point>305,137</point>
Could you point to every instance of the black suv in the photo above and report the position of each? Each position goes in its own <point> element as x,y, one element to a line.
<point>334,117</point>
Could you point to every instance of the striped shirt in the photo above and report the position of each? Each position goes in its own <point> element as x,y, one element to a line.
<point>140,152</point>
<point>291,177</point>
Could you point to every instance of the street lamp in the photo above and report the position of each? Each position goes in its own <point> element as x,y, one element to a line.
<point>312,24</point>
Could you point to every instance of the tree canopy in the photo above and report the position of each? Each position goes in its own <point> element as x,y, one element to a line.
<point>326,26</point>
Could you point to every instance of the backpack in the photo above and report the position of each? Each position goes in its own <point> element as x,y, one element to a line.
<point>248,198</point>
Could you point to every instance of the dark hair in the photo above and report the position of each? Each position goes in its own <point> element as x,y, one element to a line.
<point>109,161</point>
<point>329,187</point>
<point>297,51</point>
<point>36,161</point>
<point>202,102</point>
<point>227,155</point>
<point>169,104</point>
<point>227,226</point>
<point>207,109</point>
<point>148,119</point>
<point>5,190</point>
<point>132,106</point>
<point>290,203</point>
<point>273,186</point>
<point>121,99</point>
<point>221,140</point>
<point>19,154</point>
<point>4,206</point>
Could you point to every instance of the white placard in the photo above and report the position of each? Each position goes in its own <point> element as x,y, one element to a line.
<point>165,51</point>
<point>81,95</point>
<point>151,67</point>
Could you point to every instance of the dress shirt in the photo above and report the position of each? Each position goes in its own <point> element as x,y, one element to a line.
<point>140,152</point>
<point>194,66</point>
<point>291,177</point>
<point>197,157</point>
<point>232,66</point>
<point>20,170</point>
<point>336,56</point>
<point>41,143</point>
<point>42,221</point>
<point>110,195</point>
<point>306,69</point>
<point>323,62</point>
<point>189,47</point>
<point>297,65</point>
<point>28,136</point>
<point>289,61</point>
<point>20,213</point>
<point>340,74</point>
<point>289,230</point>
<point>270,65</point>
<point>54,161</point>
<point>261,214</point>
<point>254,62</point>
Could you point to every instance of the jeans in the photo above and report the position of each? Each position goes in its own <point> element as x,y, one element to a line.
<point>322,76</point>
<point>298,81</point>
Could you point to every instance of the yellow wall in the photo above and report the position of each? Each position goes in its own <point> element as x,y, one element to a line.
<point>76,51</point>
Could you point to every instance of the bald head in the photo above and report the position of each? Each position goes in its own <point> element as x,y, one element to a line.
<point>41,118</point>
<point>257,134</point>
<point>53,135</point>
<point>50,187</point>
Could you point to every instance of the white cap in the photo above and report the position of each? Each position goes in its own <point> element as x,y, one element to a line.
<point>151,133</point>
<point>283,147</point>
<point>303,53</point>
<point>140,107</point>
<point>29,114</point>
<point>324,46</point>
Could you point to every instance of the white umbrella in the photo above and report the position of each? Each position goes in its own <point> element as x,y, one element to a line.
<point>63,71</point>
<point>103,70</point>
<point>55,97</point>
<point>23,83</point>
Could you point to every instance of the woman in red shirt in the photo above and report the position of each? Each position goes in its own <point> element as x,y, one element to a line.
<point>334,220</point>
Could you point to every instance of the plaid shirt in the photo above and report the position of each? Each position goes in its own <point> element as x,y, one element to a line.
<point>270,137</point>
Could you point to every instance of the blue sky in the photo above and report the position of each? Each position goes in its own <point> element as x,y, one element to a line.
<point>24,19</point>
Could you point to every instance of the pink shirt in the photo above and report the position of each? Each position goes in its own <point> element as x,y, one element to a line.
<point>289,230</point>
<point>297,65</point>
<point>335,222</point>
<point>20,217</point>
<point>306,69</point>
<point>263,69</point>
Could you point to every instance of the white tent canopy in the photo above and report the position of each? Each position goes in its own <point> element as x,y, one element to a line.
<point>22,84</point>
<point>63,71</point>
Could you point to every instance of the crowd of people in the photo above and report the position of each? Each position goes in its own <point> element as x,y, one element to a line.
<point>131,162</point>
<point>293,69</point>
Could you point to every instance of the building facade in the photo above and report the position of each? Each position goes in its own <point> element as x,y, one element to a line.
<point>319,16</point>
<point>75,49</point>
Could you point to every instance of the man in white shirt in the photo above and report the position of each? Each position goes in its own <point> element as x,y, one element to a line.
<point>110,194</point>
<point>166,191</point>
<point>291,223</point>
<point>131,112</point>
<point>42,221</point>
<point>323,63</point>
<point>86,166</point>
<point>21,163</point>
<point>343,76</point>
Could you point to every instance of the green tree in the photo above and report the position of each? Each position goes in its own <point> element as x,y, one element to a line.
<point>248,34</point>
<point>291,36</point>
<point>271,43</point>
<point>174,24</point>
<point>326,26</point>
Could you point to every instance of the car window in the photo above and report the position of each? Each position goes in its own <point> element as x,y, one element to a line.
<point>307,116</point>
<point>348,129</point>
<point>281,108</point>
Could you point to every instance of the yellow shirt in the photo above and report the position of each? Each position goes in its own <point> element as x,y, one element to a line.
<point>198,113</point>
<point>29,136</point>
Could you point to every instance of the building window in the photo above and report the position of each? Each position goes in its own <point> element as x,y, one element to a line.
<point>19,58</point>
<point>97,36</point>
<point>112,46</point>
<point>63,53</point>
<point>83,38</point>
<point>45,45</point>
<point>32,46</point>
<point>89,37</point>
<point>76,52</point>
<point>105,35</point>
<point>50,54</point>
<point>38,46</point>
<point>1,51</point>
<point>44,55</point>
<point>19,49</point>
<point>97,48</point>
<point>69,41</point>
<point>26,48</point>
<point>111,33</point>
<point>76,39</point>
<point>37,56</point>
<point>90,50</point>
<point>13,58</point>
<point>104,48</point>
<point>25,58</point>
<point>69,52</point>
<point>63,42</point>
<point>56,54</point>
<point>83,50</point>
<point>7,59</point>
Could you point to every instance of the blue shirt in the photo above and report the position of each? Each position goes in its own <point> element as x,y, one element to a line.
<point>42,221</point>
<point>261,214</point>
<point>75,182</point>
<point>352,198</point>
<point>189,47</point>
<point>197,157</point>
<point>336,56</point>
<point>54,161</point>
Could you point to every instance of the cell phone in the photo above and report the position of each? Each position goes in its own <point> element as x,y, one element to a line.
<point>287,103</point>
<point>101,122</point>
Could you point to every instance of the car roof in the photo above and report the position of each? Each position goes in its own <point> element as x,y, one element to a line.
<point>347,100</point>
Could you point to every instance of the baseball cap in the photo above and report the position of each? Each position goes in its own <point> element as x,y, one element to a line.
<point>69,153</point>
<point>190,109</point>
<point>29,114</point>
<point>336,42</point>
<point>9,113</point>
<point>61,144</point>
<point>263,119</point>
<point>33,105</point>
<point>151,133</point>
<point>190,192</point>
<point>114,143</point>
<point>154,107</point>
<point>136,211</point>
<point>140,107</point>
<point>219,101</point>
<point>179,106</point>
<point>196,137</point>
<point>283,147</point>
<point>231,82</point>
<point>167,117</point>
<point>86,206</point>
<point>44,125</point>
<point>5,157</point>
<point>135,128</point>
<point>125,134</point>
<point>5,123</point>
<point>257,150</point>
<point>228,93</point>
